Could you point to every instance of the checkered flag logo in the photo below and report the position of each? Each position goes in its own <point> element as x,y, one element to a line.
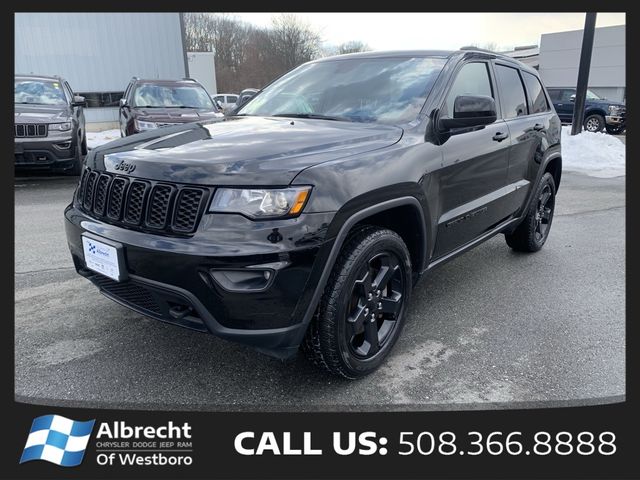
<point>92,247</point>
<point>57,440</point>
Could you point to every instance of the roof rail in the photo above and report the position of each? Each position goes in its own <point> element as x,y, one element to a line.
<point>477,49</point>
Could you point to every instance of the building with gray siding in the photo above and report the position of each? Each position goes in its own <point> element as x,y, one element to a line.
<point>560,57</point>
<point>98,53</point>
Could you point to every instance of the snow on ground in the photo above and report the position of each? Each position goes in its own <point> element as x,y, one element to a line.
<point>95,139</point>
<point>595,154</point>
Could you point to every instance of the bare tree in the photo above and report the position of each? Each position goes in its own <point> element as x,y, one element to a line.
<point>353,46</point>
<point>248,56</point>
<point>292,42</point>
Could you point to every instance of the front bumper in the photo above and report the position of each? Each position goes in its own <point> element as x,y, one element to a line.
<point>58,153</point>
<point>171,279</point>
<point>614,120</point>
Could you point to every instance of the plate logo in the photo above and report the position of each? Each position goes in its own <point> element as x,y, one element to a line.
<point>58,440</point>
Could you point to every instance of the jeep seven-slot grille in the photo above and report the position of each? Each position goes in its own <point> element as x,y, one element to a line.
<point>141,204</point>
<point>31,130</point>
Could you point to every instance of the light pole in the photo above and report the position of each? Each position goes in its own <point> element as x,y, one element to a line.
<point>583,72</point>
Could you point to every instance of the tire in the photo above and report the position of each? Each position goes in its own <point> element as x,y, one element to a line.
<point>533,231</point>
<point>617,130</point>
<point>76,169</point>
<point>340,338</point>
<point>594,123</point>
<point>84,144</point>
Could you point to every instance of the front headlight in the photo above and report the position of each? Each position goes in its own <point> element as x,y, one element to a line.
<point>261,203</point>
<point>61,127</point>
<point>615,110</point>
<point>142,125</point>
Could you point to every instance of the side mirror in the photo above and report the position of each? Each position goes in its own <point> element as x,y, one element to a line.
<point>470,111</point>
<point>219,105</point>
<point>123,102</point>
<point>79,101</point>
<point>572,98</point>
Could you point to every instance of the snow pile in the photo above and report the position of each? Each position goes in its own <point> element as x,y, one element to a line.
<point>95,139</point>
<point>595,154</point>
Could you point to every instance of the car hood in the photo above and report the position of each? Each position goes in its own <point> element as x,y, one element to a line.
<point>177,115</point>
<point>24,113</point>
<point>239,150</point>
<point>605,103</point>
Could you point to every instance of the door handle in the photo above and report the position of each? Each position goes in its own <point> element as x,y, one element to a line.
<point>538,126</point>
<point>498,137</point>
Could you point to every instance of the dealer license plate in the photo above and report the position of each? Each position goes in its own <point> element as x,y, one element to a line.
<point>101,258</point>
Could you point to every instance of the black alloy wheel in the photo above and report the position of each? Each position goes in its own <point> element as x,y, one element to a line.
<point>532,233</point>
<point>376,300</point>
<point>544,213</point>
<point>363,308</point>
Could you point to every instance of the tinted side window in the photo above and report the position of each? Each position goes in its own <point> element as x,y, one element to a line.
<point>232,99</point>
<point>555,95</point>
<point>513,99</point>
<point>566,94</point>
<point>472,79</point>
<point>538,99</point>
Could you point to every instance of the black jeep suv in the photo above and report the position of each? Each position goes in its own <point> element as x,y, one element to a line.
<point>306,218</point>
<point>49,125</point>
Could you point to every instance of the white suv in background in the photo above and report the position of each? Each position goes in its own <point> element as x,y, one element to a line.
<point>226,100</point>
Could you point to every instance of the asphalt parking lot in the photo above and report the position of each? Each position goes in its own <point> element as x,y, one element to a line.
<point>490,328</point>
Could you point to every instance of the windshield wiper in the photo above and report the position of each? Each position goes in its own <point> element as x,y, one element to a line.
<point>314,116</point>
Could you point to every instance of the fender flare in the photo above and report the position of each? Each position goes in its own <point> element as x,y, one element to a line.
<point>341,237</point>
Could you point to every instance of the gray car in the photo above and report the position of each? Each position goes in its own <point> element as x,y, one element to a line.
<point>49,125</point>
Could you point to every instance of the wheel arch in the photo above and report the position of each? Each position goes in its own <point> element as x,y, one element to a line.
<point>378,212</point>
<point>554,167</point>
<point>594,111</point>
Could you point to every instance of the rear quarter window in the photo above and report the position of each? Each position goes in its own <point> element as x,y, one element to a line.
<point>534,87</point>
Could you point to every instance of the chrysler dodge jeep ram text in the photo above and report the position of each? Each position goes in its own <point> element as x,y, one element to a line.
<point>305,219</point>
<point>48,125</point>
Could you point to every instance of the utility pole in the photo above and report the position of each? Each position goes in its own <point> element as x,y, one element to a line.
<point>583,72</point>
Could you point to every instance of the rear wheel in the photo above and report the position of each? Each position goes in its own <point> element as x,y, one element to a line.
<point>363,307</point>
<point>533,232</point>
<point>594,123</point>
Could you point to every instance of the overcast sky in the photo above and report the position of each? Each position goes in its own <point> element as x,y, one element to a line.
<point>390,31</point>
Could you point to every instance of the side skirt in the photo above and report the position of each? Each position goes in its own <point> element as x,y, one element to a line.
<point>473,243</point>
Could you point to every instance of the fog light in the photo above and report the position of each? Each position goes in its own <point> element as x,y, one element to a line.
<point>63,145</point>
<point>242,280</point>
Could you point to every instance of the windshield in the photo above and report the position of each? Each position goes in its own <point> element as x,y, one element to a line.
<point>382,90</point>
<point>39,92</point>
<point>592,96</point>
<point>160,96</point>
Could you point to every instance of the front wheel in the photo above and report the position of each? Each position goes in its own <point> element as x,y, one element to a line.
<point>364,304</point>
<point>533,232</point>
<point>594,123</point>
<point>615,130</point>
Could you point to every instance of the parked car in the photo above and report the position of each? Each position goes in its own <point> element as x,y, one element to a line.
<point>599,113</point>
<point>246,95</point>
<point>150,104</point>
<point>49,124</point>
<point>306,218</point>
<point>226,100</point>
